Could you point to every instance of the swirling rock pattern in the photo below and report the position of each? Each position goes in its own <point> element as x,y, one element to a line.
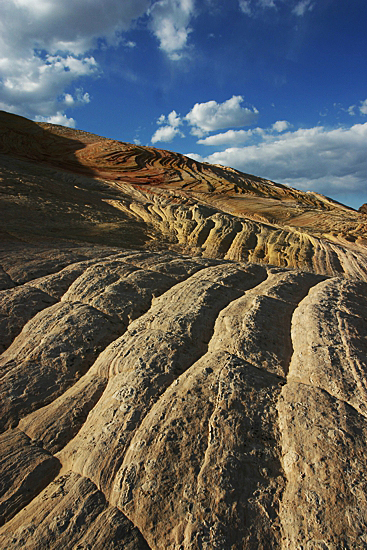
<point>115,193</point>
<point>175,374</point>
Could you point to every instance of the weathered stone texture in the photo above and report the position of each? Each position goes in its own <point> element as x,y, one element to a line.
<point>183,361</point>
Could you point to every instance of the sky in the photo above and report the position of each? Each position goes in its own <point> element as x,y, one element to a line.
<point>275,88</point>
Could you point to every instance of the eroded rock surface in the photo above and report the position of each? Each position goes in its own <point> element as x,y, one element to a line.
<point>64,184</point>
<point>183,361</point>
<point>227,411</point>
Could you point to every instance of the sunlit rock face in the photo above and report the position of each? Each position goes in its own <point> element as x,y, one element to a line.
<point>69,184</point>
<point>183,353</point>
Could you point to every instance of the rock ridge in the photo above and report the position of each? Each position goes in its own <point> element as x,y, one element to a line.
<point>183,353</point>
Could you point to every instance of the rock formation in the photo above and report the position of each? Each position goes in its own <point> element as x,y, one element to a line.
<point>183,353</point>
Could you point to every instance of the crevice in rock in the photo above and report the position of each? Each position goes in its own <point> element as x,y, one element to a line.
<point>306,435</point>
<point>19,486</point>
<point>56,424</point>
<point>6,280</point>
<point>177,352</point>
<point>71,512</point>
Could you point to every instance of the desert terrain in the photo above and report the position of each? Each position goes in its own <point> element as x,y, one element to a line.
<point>183,353</point>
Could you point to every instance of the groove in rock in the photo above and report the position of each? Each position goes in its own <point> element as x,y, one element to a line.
<point>144,362</point>
<point>229,447</point>
<point>322,419</point>
<point>71,512</point>
<point>58,422</point>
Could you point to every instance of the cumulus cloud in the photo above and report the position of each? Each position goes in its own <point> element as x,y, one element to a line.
<point>170,130</point>
<point>212,116</point>
<point>231,137</point>
<point>170,22</point>
<point>165,133</point>
<point>326,160</point>
<point>174,119</point>
<point>363,107</point>
<point>236,137</point>
<point>45,47</point>
<point>280,126</point>
<point>59,118</point>
<point>208,117</point>
<point>34,85</point>
<point>70,25</point>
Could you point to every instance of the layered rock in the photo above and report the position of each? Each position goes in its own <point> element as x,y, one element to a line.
<point>176,373</point>
<point>80,186</point>
<point>214,421</point>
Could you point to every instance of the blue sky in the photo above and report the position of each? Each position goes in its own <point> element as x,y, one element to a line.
<point>276,88</point>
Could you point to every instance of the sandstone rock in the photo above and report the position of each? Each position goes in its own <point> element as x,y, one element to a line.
<point>329,334</point>
<point>5,280</point>
<point>154,198</point>
<point>158,391</point>
<point>154,351</point>
<point>25,469</point>
<point>322,418</point>
<point>71,513</point>
<point>17,306</point>
<point>324,440</point>
<point>203,469</point>
<point>54,425</point>
<point>216,234</point>
<point>54,349</point>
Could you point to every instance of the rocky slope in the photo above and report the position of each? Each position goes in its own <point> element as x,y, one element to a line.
<point>167,381</point>
<point>80,186</point>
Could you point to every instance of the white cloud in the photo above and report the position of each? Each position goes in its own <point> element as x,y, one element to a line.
<point>208,117</point>
<point>281,125</point>
<point>363,107</point>
<point>174,120</point>
<point>212,116</point>
<point>161,119</point>
<point>44,47</point>
<point>234,137</point>
<point>326,160</point>
<point>195,156</point>
<point>255,7</point>
<point>245,6</point>
<point>59,118</point>
<point>34,86</point>
<point>231,137</point>
<point>170,22</point>
<point>351,110</point>
<point>165,133</point>
<point>68,99</point>
<point>303,6</point>
<point>170,130</point>
<point>70,25</point>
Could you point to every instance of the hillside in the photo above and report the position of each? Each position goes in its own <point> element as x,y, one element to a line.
<point>183,353</point>
<point>65,183</point>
